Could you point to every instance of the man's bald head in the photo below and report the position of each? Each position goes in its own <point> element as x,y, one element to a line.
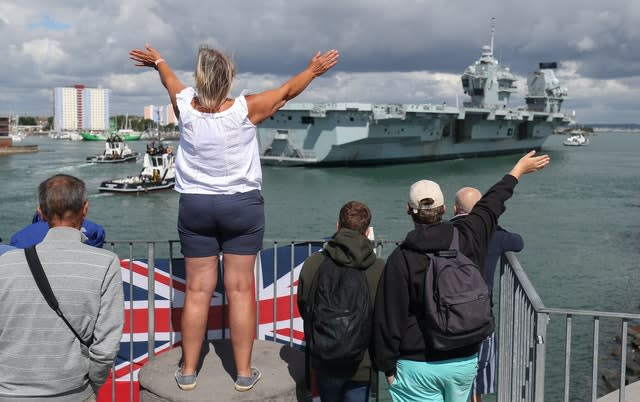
<point>466,198</point>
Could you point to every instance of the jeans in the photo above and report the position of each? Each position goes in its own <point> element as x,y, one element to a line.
<point>333,389</point>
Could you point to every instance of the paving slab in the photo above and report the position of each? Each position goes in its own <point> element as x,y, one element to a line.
<point>282,379</point>
<point>631,394</point>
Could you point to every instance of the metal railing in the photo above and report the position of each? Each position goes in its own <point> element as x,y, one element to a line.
<point>522,327</point>
<point>523,340</point>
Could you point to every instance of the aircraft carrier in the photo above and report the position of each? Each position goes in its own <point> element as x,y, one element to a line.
<point>349,134</point>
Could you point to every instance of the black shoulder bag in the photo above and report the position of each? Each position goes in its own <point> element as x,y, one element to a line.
<point>45,288</point>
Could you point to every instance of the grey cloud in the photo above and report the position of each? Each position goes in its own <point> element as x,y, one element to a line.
<point>277,38</point>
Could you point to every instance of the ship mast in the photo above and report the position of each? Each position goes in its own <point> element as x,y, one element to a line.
<point>493,31</point>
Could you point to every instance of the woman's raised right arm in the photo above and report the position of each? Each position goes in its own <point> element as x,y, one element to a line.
<point>151,58</point>
<point>261,106</point>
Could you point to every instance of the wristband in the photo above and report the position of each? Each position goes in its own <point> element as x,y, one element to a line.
<point>158,62</point>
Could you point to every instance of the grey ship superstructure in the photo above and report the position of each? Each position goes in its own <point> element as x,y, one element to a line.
<point>338,134</point>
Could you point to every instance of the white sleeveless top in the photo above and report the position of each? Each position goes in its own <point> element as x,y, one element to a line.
<point>218,152</point>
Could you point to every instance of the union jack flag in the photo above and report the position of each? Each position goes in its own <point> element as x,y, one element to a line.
<point>276,287</point>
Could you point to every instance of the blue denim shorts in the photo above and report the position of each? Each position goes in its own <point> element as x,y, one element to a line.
<point>228,223</point>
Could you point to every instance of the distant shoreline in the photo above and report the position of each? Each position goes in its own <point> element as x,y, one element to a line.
<point>18,149</point>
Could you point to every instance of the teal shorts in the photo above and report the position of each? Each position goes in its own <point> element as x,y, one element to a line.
<point>440,381</point>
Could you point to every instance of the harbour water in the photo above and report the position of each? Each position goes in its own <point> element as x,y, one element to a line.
<point>579,216</point>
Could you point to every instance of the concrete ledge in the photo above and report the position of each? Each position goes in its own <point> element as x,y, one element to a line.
<point>282,379</point>
<point>631,394</point>
<point>23,149</point>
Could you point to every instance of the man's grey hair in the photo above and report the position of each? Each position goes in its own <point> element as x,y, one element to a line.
<point>61,194</point>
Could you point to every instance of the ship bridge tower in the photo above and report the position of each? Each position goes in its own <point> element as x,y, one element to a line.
<point>487,82</point>
<point>545,91</point>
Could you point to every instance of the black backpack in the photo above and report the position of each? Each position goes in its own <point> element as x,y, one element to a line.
<point>457,302</point>
<point>339,315</point>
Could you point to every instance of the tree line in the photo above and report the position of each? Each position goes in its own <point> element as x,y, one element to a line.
<point>136,123</point>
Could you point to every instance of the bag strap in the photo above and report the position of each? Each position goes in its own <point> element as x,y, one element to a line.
<point>455,240</point>
<point>454,247</point>
<point>45,288</point>
<point>310,301</point>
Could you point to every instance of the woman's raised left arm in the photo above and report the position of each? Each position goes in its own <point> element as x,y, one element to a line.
<point>263,105</point>
<point>150,57</point>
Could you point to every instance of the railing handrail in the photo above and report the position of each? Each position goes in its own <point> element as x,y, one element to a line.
<point>590,313</point>
<point>524,281</point>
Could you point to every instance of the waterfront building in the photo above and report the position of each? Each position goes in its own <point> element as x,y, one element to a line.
<point>8,124</point>
<point>79,108</point>
<point>162,114</point>
<point>5,140</point>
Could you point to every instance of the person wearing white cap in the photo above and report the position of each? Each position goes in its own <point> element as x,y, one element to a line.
<point>414,371</point>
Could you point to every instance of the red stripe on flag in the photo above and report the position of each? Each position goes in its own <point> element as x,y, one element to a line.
<point>158,276</point>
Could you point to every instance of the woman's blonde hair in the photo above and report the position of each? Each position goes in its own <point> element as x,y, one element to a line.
<point>214,75</point>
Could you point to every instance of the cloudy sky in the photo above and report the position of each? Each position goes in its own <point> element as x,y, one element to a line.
<point>403,51</point>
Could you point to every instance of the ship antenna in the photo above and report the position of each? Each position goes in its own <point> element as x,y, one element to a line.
<point>493,30</point>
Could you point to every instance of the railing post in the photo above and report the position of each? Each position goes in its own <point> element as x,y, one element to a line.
<point>258,281</point>
<point>623,359</point>
<point>275,290</point>
<point>291,306</point>
<point>567,358</point>
<point>594,362</point>
<point>151,293</point>
<point>505,332</point>
<point>131,326</point>
<point>540,350</point>
<point>172,332</point>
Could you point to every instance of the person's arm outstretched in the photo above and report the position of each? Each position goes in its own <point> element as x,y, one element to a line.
<point>151,58</point>
<point>261,106</point>
<point>477,228</point>
<point>529,164</point>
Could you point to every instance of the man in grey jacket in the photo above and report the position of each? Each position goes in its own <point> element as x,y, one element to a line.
<point>41,358</point>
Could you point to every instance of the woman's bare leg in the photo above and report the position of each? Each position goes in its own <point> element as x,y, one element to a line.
<point>202,276</point>
<point>240,287</point>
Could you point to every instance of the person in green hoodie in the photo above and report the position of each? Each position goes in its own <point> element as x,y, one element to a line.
<point>348,247</point>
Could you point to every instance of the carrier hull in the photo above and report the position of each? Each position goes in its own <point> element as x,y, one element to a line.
<point>368,134</point>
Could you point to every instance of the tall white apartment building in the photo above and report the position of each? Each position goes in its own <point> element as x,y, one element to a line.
<point>162,114</point>
<point>79,108</point>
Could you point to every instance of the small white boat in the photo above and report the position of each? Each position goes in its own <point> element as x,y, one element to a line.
<point>576,138</point>
<point>75,136</point>
<point>158,173</point>
<point>16,138</point>
<point>116,151</point>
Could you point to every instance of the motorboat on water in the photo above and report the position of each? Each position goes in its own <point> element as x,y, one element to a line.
<point>158,173</point>
<point>576,138</point>
<point>116,151</point>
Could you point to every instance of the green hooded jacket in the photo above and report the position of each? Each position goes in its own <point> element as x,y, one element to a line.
<point>346,248</point>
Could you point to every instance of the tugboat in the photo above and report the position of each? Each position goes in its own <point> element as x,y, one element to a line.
<point>116,151</point>
<point>158,173</point>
